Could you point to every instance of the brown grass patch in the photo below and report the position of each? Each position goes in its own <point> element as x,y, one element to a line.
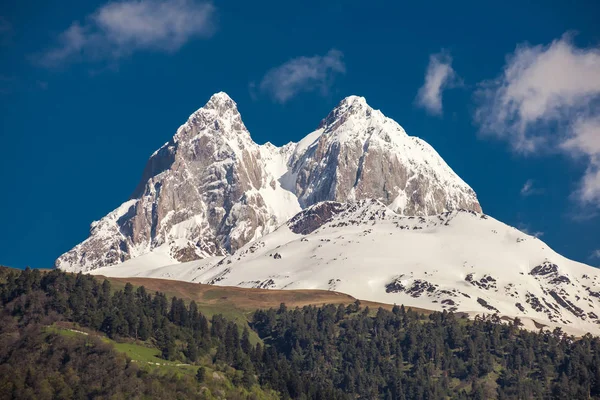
<point>243,298</point>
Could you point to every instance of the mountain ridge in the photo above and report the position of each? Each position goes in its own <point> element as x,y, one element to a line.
<point>211,189</point>
<point>357,206</point>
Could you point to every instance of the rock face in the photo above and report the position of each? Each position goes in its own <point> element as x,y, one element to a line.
<point>358,153</point>
<point>211,189</point>
<point>312,218</point>
<point>207,191</point>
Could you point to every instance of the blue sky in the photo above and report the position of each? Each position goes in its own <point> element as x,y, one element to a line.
<point>508,93</point>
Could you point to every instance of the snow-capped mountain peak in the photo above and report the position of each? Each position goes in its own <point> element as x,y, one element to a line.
<point>351,105</point>
<point>219,104</point>
<point>211,189</point>
<point>357,206</point>
<point>221,98</point>
<point>219,116</point>
<point>354,111</point>
<point>357,153</point>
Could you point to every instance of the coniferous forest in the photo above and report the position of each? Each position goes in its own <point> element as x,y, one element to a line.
<point>329,352</point>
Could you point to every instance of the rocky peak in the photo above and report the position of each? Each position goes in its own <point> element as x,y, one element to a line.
<point>358,153</point>
<point>211,189</point>
<point>351,106</point>
<point>218,116</point>
<point>353,120</point>
<point>221,103</point>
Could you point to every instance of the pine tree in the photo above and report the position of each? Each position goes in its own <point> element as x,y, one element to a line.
<point>245,341</point>
<point>201,374</point>
<point>191,351</point>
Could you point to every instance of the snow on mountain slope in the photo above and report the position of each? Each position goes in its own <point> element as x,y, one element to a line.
<point>458,260</point>
<point>156,264</point>
<point>211,189</point>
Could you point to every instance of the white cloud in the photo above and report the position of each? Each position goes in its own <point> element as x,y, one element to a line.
<point>118,29</point>
<point>548,100</point>
<point>439,76</point>
<point>595,254</point>
<point>529,189</point>
<point>526,189</point>
<point>526,230</point>
<point>303,74</point>
<point>585,141</point>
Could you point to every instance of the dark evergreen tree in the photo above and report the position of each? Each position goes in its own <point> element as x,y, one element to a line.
<point>201,374</point>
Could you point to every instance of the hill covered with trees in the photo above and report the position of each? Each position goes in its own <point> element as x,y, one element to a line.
<point>328,352</point>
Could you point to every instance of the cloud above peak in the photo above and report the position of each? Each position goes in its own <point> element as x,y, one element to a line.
<point>547,99</point>
<point>303,74</point>
<point>529,189</point>
<point>439,76</point>
<point>526,230</point>
<point>118,29</point>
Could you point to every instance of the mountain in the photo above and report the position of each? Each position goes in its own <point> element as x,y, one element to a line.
<point>357,206</point>
<point>211,189</point>
<point>458,260</point>
<point>357,153</point>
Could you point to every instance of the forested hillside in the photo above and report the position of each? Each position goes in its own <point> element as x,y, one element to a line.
<point>329,352</point>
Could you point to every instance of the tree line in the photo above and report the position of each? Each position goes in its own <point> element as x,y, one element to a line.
<point>328,352</point>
